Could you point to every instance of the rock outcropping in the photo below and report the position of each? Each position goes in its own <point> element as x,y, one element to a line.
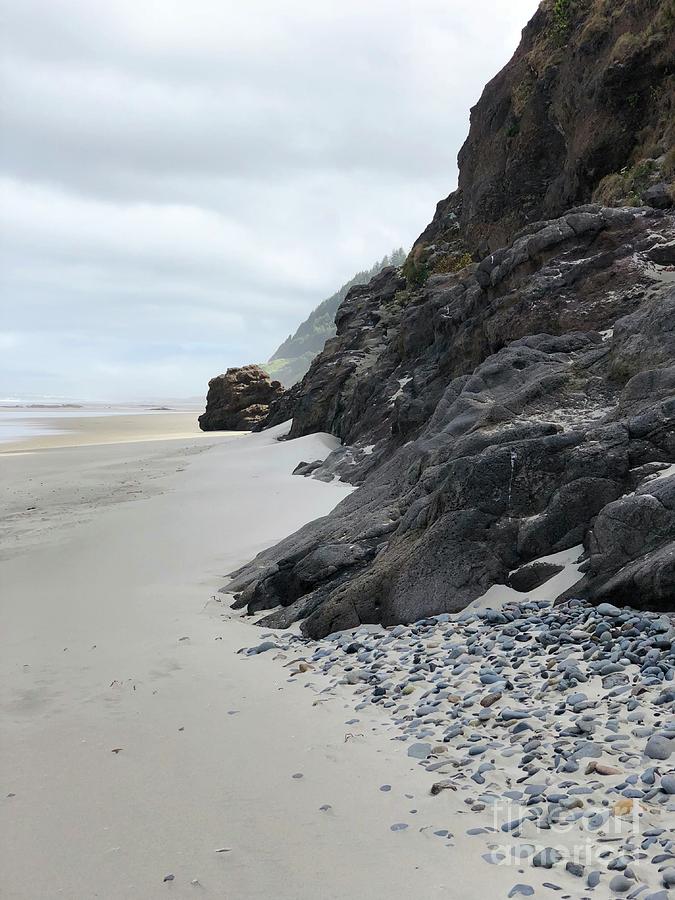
<point>509,392</point>
<point>500,413</point>
<point>239,399</point>
<point>585,109</point>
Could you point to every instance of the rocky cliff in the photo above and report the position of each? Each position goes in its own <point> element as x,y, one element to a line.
<point>584,110</point>
<point>239,399</point>
<point>294,356</point>
<point>510,391</point>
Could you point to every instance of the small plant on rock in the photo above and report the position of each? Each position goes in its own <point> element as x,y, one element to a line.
<point>453,262</point>
<point>562,20</point>
<point>415,271</point>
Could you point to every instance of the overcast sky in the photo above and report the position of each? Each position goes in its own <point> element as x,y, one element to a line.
<point>182,181</point>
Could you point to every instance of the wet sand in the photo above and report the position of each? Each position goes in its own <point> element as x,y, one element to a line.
<point>78,431</point>
<point>135,741</point>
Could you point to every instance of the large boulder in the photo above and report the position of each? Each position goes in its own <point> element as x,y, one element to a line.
<point>632,548</point>
<point>239,399</point>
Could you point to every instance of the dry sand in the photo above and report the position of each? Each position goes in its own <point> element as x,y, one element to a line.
<point>113,641</point>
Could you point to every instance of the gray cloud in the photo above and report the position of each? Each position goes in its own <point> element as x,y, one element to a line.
<point>181,182</point>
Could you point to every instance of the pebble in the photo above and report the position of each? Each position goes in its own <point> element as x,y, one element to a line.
<point>261,648</point>
<point>659,747</point>
<point>620,884</point>
<point>546,858</point>
<point>521,890</point>
<point>668,784</point>
<point>574,869</point>
<point>535,717</point>
<point>607,609</point>
<point>419,751</point>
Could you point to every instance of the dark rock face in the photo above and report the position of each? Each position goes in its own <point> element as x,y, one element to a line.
<point>631,548</point>
<point>329,392</point>
<point>510,391</point>
<point>481,438</point>
<point>532,575</point>
<point>660,196</point>
<point>385,372</point>
<point>281,409</point>
<point>589,91</point>
<point>239,399</point>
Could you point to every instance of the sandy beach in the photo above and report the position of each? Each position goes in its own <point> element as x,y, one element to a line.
<point>135,742</point>
<point>337,451</point>
<point>144,756</point>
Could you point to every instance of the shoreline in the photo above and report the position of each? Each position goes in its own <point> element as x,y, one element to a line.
<point>67,431</point>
